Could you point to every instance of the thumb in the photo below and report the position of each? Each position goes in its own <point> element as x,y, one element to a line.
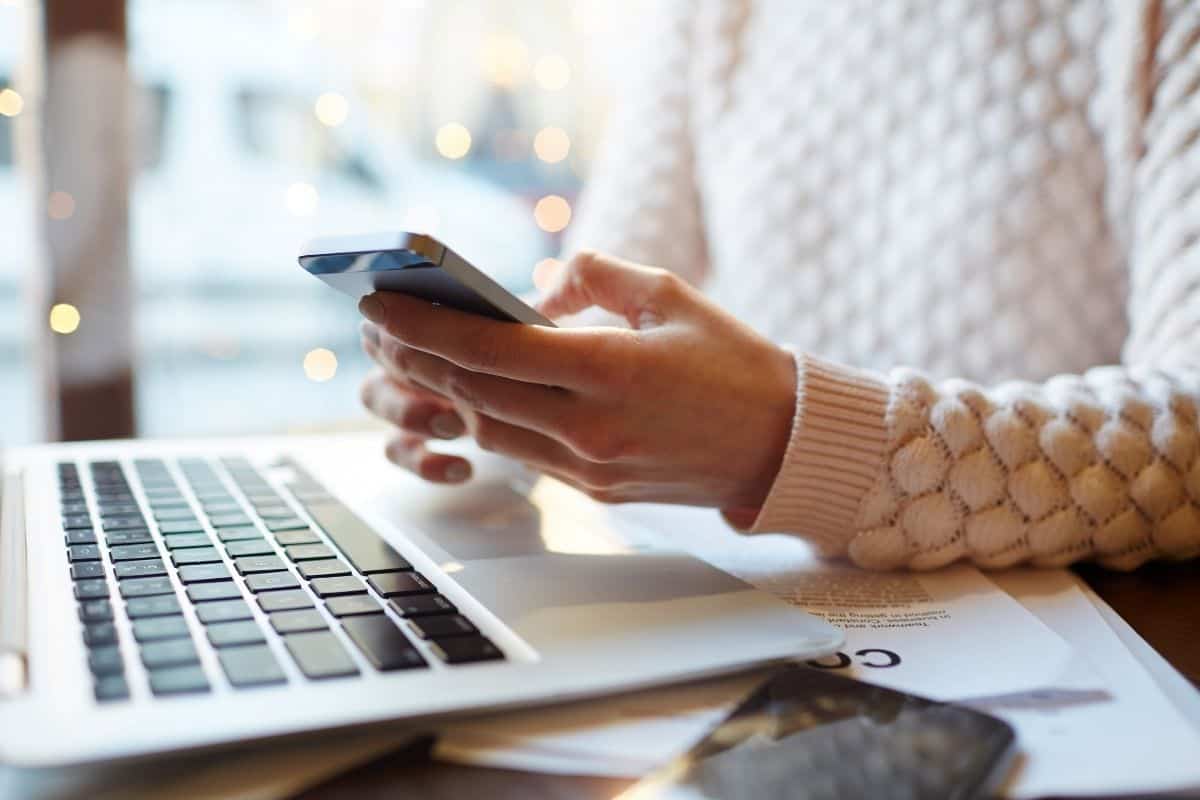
<point>644,296</point>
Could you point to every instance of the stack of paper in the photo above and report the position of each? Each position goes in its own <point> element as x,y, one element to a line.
<point>1030,646</point>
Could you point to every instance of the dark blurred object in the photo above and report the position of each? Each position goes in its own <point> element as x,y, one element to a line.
<point>88,374</point>
<point>1159,601</point>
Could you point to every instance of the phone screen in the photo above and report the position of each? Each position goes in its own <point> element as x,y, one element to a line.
<point>809,734</point>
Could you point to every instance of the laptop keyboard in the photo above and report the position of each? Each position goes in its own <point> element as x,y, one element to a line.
<point>218,544</point>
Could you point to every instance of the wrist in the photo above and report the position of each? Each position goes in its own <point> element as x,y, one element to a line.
<point>834,450</point>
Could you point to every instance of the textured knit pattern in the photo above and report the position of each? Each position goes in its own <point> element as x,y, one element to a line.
<point>958,212</point>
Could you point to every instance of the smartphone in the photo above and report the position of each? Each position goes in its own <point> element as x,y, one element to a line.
<point>806,733</point>
<point>415,264</point>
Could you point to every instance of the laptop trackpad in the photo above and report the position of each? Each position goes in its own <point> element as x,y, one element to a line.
<point>503,518</point>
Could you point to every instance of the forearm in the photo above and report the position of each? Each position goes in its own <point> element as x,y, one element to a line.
<point>898,472</point>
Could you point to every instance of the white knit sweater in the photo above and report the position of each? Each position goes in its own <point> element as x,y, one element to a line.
<point>979,223</point>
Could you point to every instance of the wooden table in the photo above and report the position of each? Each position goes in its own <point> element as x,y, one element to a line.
<point>1160,601</point>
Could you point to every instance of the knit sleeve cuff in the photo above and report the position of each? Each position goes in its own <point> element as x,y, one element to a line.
<point>837,445</point>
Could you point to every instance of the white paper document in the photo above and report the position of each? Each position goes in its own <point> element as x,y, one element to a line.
<point>950,634</point>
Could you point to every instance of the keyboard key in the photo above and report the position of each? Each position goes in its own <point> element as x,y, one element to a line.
<point>397,583</point>
<point>198,555</point>
<point>285,524</point>
<point>174,514</point>
<point>169,653</point>
<point>271,582</point>
<point>328,568</point>
<point>238,533</point>
<point>297,621</point>
<point>334,587</point>
<point>441,626</point>
<point>95,611</point>
<point>384,645</point>
<point>91,589</point>
<point>133,552</point>
<point>70,509</point>
<point>182,541</point>
<point>139,536</point>
<point>250,565</point>
<point>319,655</point>
<point>251,666</point>
<point>275,512</point>
<point>218,590</point>
<point>106,661</point>
<point>77,522</point>
<point>201,573</point>
<point>223,611</point>
<point>289,538</point>
<point>180,526</point>
<point>309,552</point>
<point>150,568</point>
<point>229,634</point>
<point>158,606</point>
<point>249,547</point>
<point>145,587</point>
<point>229,520</point>
<point>80,537</point>
<point>121,510</point>
<point>111,688</point>
<point>230,506</point>
<point>178,680</point>
<point>169,501</point>
<point>284,601</point>
<point>87,569</point>
<point>465,649</point>
<point>363,547</point>
<point>159,628</point>
<point>83,552</point>
<point>353,605</point>
<point>420,605</point>
<point>123,523</point>
<point>99,633</point>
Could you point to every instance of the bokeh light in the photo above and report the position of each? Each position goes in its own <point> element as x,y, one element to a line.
<point>453,140</point>
<point>320,364</point>
<point>331,109</point>
<point>551,144</point>
<point>504,59</point>
<point>60,205</point>
<point>11,103</point>
<point>64,318</point>
<point>552,213</point>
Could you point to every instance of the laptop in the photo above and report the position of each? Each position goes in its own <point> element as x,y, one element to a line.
<point>170,596</point>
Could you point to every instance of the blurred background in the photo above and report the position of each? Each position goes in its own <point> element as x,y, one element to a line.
<point>162,160</point>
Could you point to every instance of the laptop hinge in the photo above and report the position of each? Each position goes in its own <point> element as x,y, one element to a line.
<point>13,585</point>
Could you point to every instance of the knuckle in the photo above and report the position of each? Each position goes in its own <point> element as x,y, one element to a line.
<point>486,433</point>
<point>597,443</point>
<point>664,284</point>
<point>460,386</point>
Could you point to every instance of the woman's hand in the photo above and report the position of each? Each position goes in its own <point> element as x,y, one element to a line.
<point>687,406</point>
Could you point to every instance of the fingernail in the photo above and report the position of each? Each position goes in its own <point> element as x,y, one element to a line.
<point>447,426</point>
<point>370,333</point>
<point>371,308</point>
<point>457,472</point>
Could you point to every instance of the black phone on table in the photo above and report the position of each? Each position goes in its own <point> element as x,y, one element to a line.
<point>805,733</point>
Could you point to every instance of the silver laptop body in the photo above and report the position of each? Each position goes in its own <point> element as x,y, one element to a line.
<point>510,591</point>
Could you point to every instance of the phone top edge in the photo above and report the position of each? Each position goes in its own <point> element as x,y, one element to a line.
<point>420,243</point>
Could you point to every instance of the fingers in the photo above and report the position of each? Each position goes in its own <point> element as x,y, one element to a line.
<point>529,353</point>
<point>417,412</point>
<point>408,450</point>
<point>645,296</point>
<point>549,410</point>
<point>541,452</point>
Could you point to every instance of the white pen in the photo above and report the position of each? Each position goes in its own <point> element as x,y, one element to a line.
<point>12,584</point>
